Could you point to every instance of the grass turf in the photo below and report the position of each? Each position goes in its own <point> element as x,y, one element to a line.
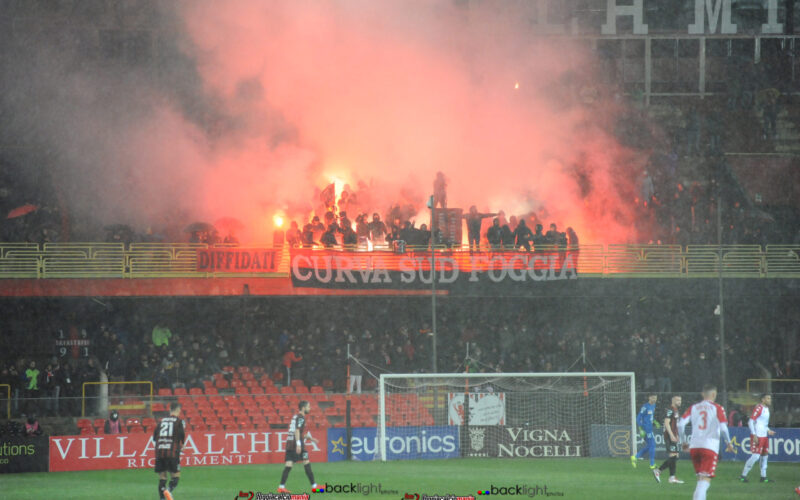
<point>590,478</point>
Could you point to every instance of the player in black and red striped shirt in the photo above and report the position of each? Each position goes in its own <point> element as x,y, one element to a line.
<point>671,441</point>
<point>168,438</point>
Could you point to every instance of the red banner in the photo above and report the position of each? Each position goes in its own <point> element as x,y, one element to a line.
<point>135,451</point>
<point>238,260</point>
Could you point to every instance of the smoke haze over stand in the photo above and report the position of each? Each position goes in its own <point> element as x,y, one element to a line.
<point>274,99</point>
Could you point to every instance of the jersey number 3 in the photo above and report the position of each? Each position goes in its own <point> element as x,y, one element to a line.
<point>704,416</point>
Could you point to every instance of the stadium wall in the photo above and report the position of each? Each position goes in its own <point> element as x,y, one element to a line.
<point>282,287</point>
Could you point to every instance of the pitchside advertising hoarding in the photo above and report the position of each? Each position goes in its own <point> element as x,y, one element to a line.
<point>784,446</point>
<point>135,451</point>
<point>615,441</point>
<point>23,454</point>
<point>412,270</point>
<point>499,441</point>
<point>402,443</point>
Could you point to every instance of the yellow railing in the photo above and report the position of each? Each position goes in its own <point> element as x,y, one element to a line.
<point>8,401</point>
<point>137,382</point>
<point>179,260</point>
<point>767,383</point>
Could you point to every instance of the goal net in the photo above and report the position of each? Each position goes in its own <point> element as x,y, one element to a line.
<point>503,414</point>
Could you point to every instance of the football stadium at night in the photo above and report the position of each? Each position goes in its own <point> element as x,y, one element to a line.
<point>272,249</point>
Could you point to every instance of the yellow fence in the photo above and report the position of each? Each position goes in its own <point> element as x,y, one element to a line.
<point>766,384</point>
<point>179,260</point>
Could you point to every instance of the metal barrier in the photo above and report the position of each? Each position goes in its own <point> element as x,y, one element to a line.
<point>767,383</point>
<point>782,261</point>
<point>137,382</point>
<point>163,260</point>
<point>179,260</point>
<point>738,261</point>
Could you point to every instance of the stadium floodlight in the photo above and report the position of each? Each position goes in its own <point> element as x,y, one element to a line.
<point>554,414</point>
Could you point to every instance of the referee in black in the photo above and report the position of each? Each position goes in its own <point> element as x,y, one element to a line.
<point>169,437</point>
<point>296,447</point>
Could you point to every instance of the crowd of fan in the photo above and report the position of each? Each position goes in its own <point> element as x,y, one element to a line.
<point>310,340</point>
<point>513,233</point>
<point>29,210</point>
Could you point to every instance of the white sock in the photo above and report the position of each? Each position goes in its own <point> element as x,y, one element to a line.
<point>764,459</point>
<point>749,464</point>
<point>700,491</point>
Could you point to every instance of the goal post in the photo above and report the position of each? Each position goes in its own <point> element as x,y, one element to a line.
<point>445,415</point>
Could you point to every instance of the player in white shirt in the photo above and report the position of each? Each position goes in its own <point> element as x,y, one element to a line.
<point>759,443</point>
<point>708,423</point>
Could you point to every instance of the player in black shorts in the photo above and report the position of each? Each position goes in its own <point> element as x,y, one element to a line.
<point>168,437</point>
<point>296,447</point>
<point>671,441</point>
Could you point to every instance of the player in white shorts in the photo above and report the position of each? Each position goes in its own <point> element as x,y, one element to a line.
<point>759,441</point>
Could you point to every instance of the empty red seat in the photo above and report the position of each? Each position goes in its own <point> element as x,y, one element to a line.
<point>165,391</point>
<point>180,391</point>
<point>87,431</point>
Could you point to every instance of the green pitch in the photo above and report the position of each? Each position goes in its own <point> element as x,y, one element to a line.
<point>593,479</point>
